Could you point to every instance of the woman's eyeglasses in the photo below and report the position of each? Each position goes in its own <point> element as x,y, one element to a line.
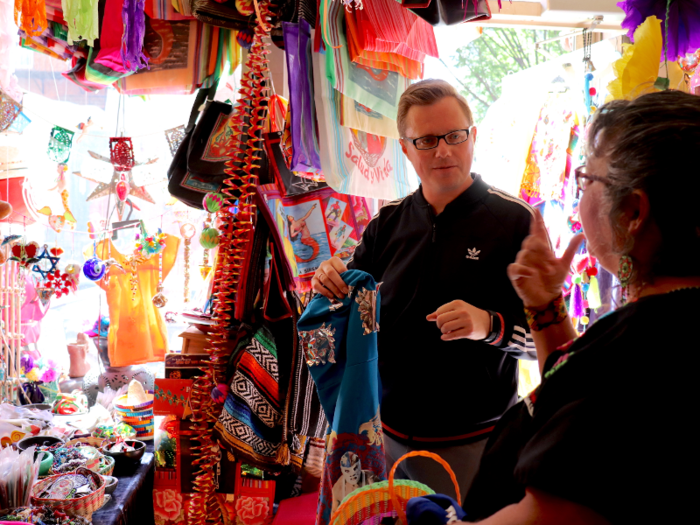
<point>431,141</point>
<point>583,179</point>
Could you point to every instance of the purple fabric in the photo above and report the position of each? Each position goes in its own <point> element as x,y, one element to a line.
<point>297,48</point>
<point>134,19</point>
<point>683,22</point>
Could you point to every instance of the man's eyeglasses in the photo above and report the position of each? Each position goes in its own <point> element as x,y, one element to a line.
<point>431,141</point>
<point>583,179</point>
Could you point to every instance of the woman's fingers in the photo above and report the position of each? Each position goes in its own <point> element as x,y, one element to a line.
<point>517,271</point>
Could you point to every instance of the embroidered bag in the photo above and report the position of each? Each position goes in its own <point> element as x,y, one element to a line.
<point>354,161</point>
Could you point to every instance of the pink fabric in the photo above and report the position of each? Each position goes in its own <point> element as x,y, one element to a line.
<point>32,312</point>
<point>297,511</point>
<point>111,37</point>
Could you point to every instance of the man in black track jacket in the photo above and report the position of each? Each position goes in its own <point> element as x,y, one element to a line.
<point>452,327</point>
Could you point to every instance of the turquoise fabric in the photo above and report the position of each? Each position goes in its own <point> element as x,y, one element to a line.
<point>349,388</point>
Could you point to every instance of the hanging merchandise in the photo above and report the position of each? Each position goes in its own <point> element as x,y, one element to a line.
<point>47,261</point>
<point>406,67</point>
<point>289,182</point>
<point>229,285</point>
<point>197,57</point>
<point>679,17</point>
<point>137,331</point>
<point>123,154</point>
<point>312,228</point>
<point>30,16</point>
<point>82,20</point>
<point>549,161</point>
<point>187,231</point>
<point>302,107</point>
<point>377,89</point>
<point>388,28</point>
<point>220,14</point>
<point>213,202</point>
<point>60,143</point>
<point>63,282</point>
<point>134,20</point>
<point>174,136</point>
<point>450,12</point>
<point>58,222</point>
<point>159,299</point>
<point>94,268</point>
<point>637,72</point>
<point>108,57</point>
<point>353,161</point>
<point>122,188</point>
<point>339,340</point>
<point>25,254</point>
<point>354,115</point>
<point>198,165</point>
<point>8,52</point>
<point>9,110</point>
<point>148,245</point>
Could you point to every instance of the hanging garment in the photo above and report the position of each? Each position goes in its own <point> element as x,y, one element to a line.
<point>377,89</point>
<point>82,21</point>
<point>339,340</point>
<point>297,49</point>
<point>406,67</point>
<point>173,48</point>
<point>32,312</point>
<point>137,332</point>
<point>549,159</point>
<point>386,27</point>
<point>354,161</point>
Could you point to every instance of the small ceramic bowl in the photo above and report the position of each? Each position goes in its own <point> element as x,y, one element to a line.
<point>110,484</point>
<point>125,459</point>
<point>46,462</point>
<point>39,441</point>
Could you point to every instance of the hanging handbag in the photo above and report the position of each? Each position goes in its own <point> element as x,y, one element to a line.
<point>221,14</point>
<point>185,186</point>
<point>288,182</point>
<point>449,12</point>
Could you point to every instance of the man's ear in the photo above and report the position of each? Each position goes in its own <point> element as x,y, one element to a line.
<point>472,133</point>
<point>403,147</point>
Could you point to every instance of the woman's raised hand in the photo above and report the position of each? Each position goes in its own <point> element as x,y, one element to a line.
<point>537,274</point>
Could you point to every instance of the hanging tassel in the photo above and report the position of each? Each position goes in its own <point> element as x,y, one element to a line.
<point>577,301</point>
<point>594,294</point>
<point>134,19</point>
<point>283,455</point>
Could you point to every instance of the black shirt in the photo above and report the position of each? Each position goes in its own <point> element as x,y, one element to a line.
<point>434,389</point>
<point>611,427</point>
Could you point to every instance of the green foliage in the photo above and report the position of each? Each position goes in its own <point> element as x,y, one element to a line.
<point>496,53</point>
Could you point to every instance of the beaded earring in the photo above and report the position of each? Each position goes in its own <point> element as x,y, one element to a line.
<point>624,275</point>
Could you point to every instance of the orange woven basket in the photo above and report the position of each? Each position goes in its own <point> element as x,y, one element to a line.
<point>387,498</point>
<point>83,506</point>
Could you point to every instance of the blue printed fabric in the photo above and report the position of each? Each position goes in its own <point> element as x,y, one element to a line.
<point>339,340</point>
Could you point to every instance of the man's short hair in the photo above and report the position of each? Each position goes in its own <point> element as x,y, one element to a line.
<point>425,93</point>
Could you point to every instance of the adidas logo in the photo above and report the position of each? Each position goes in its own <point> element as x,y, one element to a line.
<point>473,254</point>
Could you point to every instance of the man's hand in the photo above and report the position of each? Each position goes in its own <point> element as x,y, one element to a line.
<point>327,280</point>
<point>460,320</point>
<point>537,275</point>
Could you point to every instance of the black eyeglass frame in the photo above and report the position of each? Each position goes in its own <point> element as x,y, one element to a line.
<point>439,137</point>
<point>580,173</point>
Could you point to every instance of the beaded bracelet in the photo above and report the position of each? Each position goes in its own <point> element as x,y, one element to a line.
<point>554,313</point>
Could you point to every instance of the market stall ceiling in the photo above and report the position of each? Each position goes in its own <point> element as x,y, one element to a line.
<point>555,14</point>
